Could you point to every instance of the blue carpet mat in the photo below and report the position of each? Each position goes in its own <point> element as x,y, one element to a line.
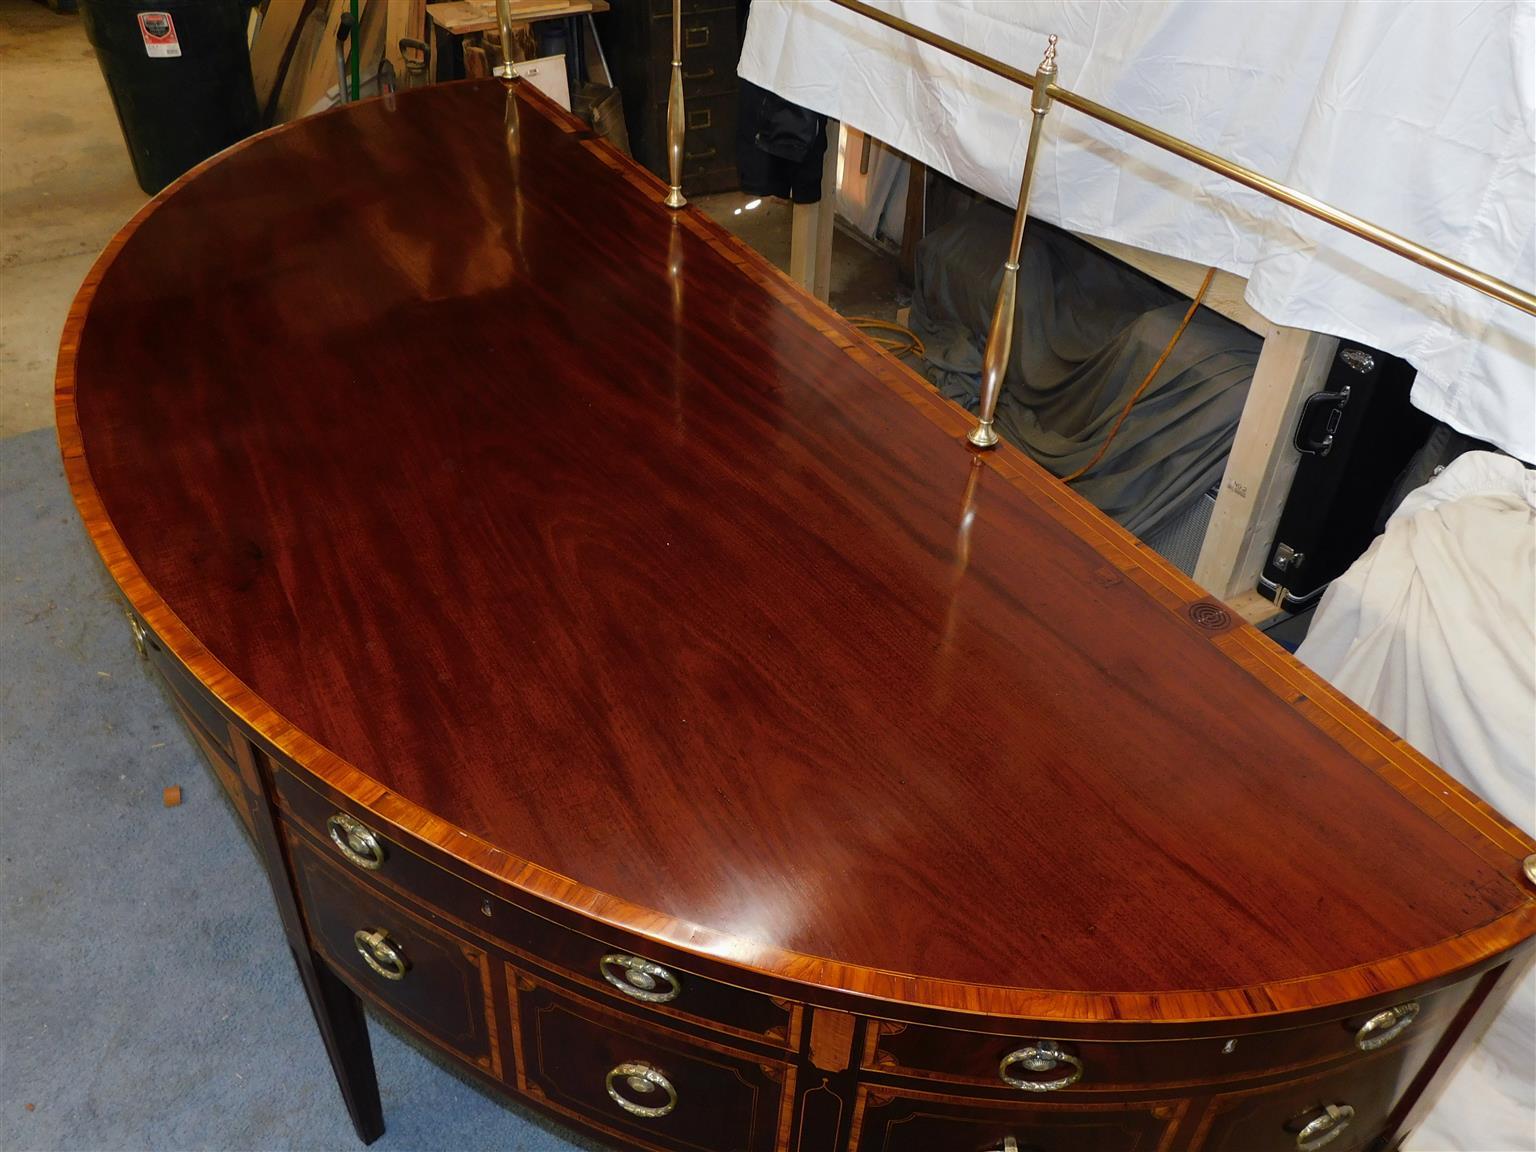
<point>147,998</point>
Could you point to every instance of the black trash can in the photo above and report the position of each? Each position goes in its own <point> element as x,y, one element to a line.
<point>180,76</point>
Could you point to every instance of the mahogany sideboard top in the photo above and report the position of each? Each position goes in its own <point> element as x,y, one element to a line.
<point>563,532</point>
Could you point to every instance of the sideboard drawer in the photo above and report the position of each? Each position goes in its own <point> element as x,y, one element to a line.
<point>224,770</point>
<point>382,855</point>
<point>913,1121</point>
<point>428,978</point>
<point>643,1084</point>
<point>192,698</point>
<point>977,1057</point>
<point>1362,1094</point>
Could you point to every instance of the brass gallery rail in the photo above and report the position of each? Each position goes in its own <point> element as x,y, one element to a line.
<point>1044,91</point>
<point>1374,233</point>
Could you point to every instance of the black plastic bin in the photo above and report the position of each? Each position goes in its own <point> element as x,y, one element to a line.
<point>180,76</point>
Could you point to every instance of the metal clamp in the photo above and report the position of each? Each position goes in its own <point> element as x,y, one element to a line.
<point>356,841</point>
<point>1384,1027</point>
<point>381,953</point>
<point>638,978</point>
<point>1325,1129</point>
<point>1042,1056</point>
<point>642,1079</point>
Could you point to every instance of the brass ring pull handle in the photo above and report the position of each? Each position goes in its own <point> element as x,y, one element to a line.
<point>1384,1027</point>
<point>1042,1056</point>
<point>1326,1128</point>
<point>643,1080</point>
<point>639,978</point>
<point>356,841</point>
<point>140,636</point>
<point>381,953</point>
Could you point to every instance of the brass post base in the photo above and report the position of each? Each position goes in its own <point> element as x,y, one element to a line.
<point>982,435</point>
<point>675,198</point>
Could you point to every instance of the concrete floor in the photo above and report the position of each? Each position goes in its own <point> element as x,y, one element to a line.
<point>864,279</point>
<point>66,186</point>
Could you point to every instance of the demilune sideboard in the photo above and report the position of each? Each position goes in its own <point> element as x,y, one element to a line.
<point>633,686</point>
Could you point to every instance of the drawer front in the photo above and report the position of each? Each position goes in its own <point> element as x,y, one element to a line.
<point>641,1083</point>
<point>224,770</point>
<point>912,1121</point>
<point>205,723</point>
<point>192,697</point>
<point>634,981</point>
<point>710,49</point>
<point>1362,1094</point>
<point>710,142</point>
<point>977,1058</point>
<point>428,978</point>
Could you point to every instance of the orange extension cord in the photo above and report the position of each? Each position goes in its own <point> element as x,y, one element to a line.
<point>1210,274</point>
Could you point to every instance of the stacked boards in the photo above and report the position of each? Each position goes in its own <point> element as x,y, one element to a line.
<point>293,54</point>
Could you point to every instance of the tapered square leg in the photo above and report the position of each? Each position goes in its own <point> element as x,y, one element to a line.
<point>344,1029</point>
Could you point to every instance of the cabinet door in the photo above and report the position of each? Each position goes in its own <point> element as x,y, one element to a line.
<point>905,1120</point>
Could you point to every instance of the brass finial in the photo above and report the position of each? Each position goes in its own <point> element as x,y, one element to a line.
<point>994,361</point>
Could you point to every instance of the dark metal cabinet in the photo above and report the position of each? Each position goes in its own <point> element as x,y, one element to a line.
<point>638,37</point>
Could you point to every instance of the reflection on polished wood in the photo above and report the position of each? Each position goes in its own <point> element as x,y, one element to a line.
<point>631,597</point>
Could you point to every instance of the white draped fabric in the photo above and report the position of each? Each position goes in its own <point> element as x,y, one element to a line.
<point>1418,117</point>
<point>1433,631</point>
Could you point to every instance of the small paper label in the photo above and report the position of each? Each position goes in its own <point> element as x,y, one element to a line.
<point>159,32</point>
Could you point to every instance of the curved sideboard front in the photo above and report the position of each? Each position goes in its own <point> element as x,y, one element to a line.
<point>633,686</point>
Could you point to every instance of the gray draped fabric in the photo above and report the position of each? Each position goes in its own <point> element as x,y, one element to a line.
<point>1087,331</point>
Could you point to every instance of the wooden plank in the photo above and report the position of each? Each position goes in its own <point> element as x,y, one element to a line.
<point>314,52</point>
<point>272,51</point>
<point>477,65</point>
<point>372,38</point>
<point>1293,365</point>
<point>1253,607</point>
<point>460,17</point>
<point>1224,297</point>
<point>404,19</point>
<point>812,226</point>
